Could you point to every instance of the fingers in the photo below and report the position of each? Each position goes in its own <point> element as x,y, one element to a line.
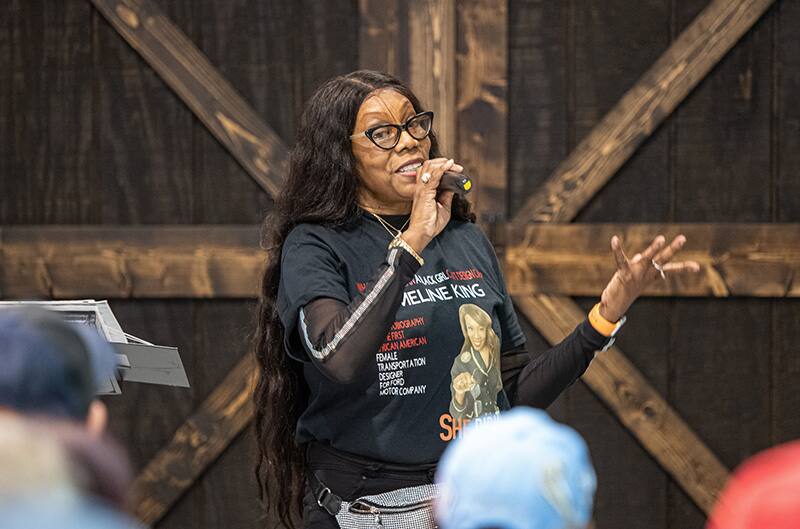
<point>654,247</point>
<point>683,266</point>
<point>619,254</point>
<point>665,255</point>
<point>445,199</point>
<point>431,171</point>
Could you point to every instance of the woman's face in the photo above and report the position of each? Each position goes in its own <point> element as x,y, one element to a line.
<point>475,332</point>
<point>387,178</point>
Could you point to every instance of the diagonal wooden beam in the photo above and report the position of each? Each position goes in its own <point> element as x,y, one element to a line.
<point>638,406</point>
<point>186,70</point>
<point>197,443</point>
<point>641,110</point>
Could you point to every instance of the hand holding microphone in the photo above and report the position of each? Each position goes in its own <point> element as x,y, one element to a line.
<point>437,182</point>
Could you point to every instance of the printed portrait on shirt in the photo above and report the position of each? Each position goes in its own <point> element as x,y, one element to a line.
<point>475,376</point>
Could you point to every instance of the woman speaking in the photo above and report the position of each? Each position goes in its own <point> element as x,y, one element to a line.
<point>384,322</point>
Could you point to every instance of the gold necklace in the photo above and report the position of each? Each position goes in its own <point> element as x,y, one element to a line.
<point>394,232</point>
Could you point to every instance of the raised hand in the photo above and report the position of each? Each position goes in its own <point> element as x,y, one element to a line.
<point>635,274</point>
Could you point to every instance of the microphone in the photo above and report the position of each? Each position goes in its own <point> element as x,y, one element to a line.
<point>456,182</point>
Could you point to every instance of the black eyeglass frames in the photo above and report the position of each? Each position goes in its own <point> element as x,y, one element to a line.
<point>387,136</point>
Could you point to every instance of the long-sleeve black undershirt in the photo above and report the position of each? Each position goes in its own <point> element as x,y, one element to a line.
<point>341,339</point>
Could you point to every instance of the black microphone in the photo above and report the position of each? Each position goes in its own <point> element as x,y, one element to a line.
<point>456,182</point>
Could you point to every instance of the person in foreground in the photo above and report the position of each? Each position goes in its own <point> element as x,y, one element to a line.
<point>384,323</point>
<point>59,468</point>
<point>764,492</point>
<point>523,471</point>
<point>52,368</point>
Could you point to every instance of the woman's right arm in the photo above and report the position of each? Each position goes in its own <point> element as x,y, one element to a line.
<point>342,338</point>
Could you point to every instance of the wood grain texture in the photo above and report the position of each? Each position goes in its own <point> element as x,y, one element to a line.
<point>198,261</point>
<point>642,109</point>
<point>143,138</point>
<point>786,114</point>
<point>637,405</point>
<point>50,142</point>
<point>761,260</point>
<point>537,94</point>
<point>196,444</point>
<point>482,109</point>
<point>432,65</point>
<point>189,73</point>
<point>722,137</point>
<point>613,46</point>
<point>130,262</point>
<point>608,47</point>
<point>383,37</point>
<point>252,44</point>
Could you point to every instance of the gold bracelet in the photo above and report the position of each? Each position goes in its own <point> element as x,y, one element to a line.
<point>397,242</point>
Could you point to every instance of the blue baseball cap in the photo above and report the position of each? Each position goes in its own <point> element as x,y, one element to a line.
<point>48,366</point>
<point>522,470</point>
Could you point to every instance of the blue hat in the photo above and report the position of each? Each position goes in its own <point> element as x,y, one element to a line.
<point>520,471</point>
<point>49,366</point>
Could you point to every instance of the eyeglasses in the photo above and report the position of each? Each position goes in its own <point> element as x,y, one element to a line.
<point>387,136</point>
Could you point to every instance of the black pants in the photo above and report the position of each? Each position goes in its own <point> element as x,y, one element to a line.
<point>350,477</point>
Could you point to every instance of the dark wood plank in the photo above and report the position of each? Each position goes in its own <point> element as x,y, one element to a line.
<point>537,95</point>
<point>613,46</point>
<point>383,37</point>
<point>786,152</point>
<point>642,109</point>
<point>252,44</point>
<point>719,367</point>
<point>786,114</point>
<point>723,134</point>
<point>8,186</point>
<point>51,141</point>
<point>481,119</point>
<point>785,372</point>
<point>327,44</point>
<point>189,73</point>
<point>432,64</point>
<point>196,444</point>
<point>143,135</point>
<point>760,260</point>
<point>131,262</point>
<point>637,405</point>
<point>225,494</point>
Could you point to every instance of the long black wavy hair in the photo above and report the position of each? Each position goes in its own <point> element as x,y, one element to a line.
<point>321,188</point>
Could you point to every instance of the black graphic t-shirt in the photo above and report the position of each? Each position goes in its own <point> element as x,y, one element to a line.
<point>435,367</point>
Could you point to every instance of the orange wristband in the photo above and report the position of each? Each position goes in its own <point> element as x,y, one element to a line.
<point>600,324</point>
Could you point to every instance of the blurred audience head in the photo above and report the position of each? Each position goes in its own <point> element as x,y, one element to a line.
<point>521,471</point>
<point>55,475</point>
<point>764,492</point>
<point>52,368</point>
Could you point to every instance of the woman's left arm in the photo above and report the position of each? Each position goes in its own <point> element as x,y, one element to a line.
<point>538,382</point>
